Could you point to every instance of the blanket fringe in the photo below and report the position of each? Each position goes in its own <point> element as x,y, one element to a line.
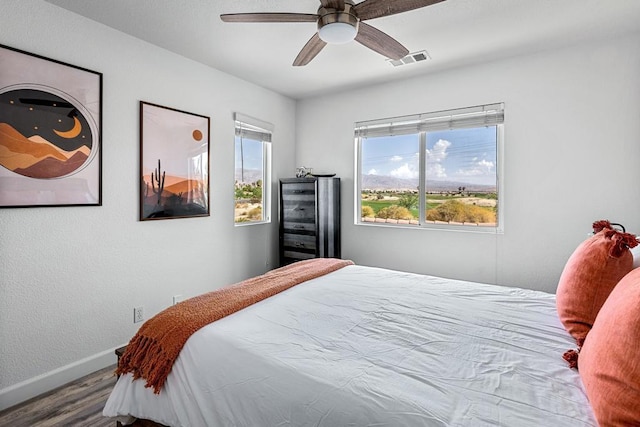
<point>141,365</point>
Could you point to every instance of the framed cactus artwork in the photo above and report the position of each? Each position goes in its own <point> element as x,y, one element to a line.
<point>174,163</point>
<point>50,132</point>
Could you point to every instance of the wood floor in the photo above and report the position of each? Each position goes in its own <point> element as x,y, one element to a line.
<point>78,403</point>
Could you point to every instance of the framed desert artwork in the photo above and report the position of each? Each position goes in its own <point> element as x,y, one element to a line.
<point>174,163</point>
<point>50,132</point>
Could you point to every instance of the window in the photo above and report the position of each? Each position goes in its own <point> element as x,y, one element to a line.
<point>431,170</point>
<point>252,170</point>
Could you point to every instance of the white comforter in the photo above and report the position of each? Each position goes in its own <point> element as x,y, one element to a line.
<point>366,346</point>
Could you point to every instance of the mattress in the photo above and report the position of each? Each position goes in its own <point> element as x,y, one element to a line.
<point>366,346</point>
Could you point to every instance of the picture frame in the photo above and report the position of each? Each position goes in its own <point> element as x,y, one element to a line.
<point>174,163</point>
<point>50,132</point>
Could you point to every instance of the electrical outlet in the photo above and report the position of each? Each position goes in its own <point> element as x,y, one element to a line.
<point>138,314</point>
<point>177,299</point>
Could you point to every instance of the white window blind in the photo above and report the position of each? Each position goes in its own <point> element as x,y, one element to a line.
<point>252,128</point>
<point>482,115</point>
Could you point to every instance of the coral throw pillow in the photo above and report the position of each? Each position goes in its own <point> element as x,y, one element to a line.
<point>609,362</point>
<point>590,274</point>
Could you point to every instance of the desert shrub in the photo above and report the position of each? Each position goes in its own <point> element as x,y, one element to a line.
<point>408,200</point>
<point>455,211</point>
<point>255,213</point>
<point>451,210</point>
<point>249,191</point>
<point>395,212</point>
<point>478,214</point>
<point>367,211</point>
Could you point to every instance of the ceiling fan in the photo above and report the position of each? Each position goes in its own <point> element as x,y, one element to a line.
<point>340,21</point>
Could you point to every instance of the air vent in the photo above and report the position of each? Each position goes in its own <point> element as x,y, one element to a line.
<point>411,58</point>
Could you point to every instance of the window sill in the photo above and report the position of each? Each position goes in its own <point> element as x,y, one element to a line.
<point>246,223</point>
<point>431,225</point>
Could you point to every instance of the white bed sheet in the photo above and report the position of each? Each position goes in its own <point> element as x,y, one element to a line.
<point>366,346</point>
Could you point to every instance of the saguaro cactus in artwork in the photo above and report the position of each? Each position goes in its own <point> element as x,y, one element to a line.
<point>157,182</point>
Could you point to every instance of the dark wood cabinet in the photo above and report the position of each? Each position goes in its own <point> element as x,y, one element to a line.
<point>309,219</point>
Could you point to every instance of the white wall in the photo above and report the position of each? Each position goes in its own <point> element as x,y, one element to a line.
<point>71,276</point>
<point>572,152</point>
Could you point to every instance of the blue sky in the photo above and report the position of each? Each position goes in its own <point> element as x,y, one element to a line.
<point>461,155</point>
<point>252,153</point>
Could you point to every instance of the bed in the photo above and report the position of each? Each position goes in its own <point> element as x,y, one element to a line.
<point>366,346</point>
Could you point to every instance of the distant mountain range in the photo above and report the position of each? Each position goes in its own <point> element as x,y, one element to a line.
<point>250,176</point>
<point>381,182</point>
<point>36,157</point>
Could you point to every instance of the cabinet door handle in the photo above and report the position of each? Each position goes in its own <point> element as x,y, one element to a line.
<point>298,245</point>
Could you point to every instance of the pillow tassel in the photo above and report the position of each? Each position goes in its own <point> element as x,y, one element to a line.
<point>622,242</point>
<point>600,225</point>
<point>571,356</point>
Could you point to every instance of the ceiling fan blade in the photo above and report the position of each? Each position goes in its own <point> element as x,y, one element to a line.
<point>333,4</point>
<point>269,17</point>
<point>380,42</point>
<point>309,51</point>
<point>370,9</point>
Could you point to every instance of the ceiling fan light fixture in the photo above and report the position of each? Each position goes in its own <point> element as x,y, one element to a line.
<point>337,26</point>
<point>338,32</point>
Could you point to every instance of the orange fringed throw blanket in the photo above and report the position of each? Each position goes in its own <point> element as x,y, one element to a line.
<point>153,350</point>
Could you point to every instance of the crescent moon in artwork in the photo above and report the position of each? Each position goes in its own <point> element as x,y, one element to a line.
<point>71,133</point>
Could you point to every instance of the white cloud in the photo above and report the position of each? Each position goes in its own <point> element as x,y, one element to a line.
<point>486,164</point>
<point>480,168</point>
<point>372,172</point>
<point>439,151</point>
<point>435,157</point>
<point>405,171</point>
<point>436,170</point>
<point>396,158</point>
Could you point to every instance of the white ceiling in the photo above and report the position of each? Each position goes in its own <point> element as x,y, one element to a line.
<point>454,33</point>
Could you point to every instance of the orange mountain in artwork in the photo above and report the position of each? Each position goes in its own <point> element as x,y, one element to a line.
<point>188,189</point>
<point>36,157</point>
<point>185,186</point>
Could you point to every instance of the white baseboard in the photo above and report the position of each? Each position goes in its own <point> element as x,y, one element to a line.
<point>35,386</point>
